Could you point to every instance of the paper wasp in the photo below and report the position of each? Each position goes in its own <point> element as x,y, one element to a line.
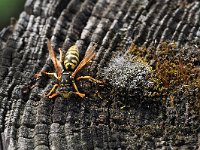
<point>66,76</point>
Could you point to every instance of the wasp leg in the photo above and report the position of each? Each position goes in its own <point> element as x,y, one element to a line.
<point>82,95</point>
<point>90,78</point>
<point>61,55</point>
<point>53,88</point>
<point>51,74</point>
<point>77,92</point>
<point>38,75</point>
<point>54,95</point>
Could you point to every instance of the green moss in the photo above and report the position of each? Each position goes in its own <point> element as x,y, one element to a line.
<point>172,69</point>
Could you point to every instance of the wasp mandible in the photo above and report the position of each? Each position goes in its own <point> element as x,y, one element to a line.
<point>66,76</point>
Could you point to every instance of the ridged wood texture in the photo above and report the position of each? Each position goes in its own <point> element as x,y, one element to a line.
<point>30,121</point>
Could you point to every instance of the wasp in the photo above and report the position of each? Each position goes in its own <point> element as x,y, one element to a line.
<point>65,84</point>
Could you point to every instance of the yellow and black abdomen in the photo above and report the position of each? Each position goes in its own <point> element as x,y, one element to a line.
<point>71,59</point>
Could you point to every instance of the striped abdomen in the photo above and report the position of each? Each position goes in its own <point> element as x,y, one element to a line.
<point>71,58</point>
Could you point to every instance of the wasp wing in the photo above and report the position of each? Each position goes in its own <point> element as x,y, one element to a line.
<point>56,63</point>
<point>88,56</point>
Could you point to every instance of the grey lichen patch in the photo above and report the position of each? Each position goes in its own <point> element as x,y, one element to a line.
<point>126,74</point>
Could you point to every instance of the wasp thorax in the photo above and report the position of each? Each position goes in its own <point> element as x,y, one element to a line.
<point>66,77</point>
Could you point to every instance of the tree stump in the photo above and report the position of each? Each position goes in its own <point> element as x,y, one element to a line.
<point>117,114</point>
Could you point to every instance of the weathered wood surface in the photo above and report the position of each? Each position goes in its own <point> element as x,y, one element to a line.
<point>114,121</point>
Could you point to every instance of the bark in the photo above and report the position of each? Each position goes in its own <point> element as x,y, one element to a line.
<point>109,117</point>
